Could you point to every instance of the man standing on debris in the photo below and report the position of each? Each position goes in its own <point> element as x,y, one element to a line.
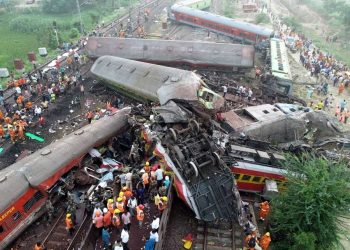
<point>264,210</point>
<point>89,116</point>
<point>225,90</point>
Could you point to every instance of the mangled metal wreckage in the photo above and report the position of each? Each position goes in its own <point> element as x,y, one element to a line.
<point>203,180</point>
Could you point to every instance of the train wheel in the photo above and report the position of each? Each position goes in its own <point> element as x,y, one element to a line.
<point>194,126</point>
<point>217,158</point>
<point>173,134</point>
<point>194,167</point>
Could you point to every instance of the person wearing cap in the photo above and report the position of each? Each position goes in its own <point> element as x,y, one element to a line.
<point>121,195</point>
<point>2,132</point>
<point>156,199</point>
<point>107,217</point>
<point>120,204</point>
<point>127,193</point>
<point>110,205</point>
<point>265,241</point>
<point>162,204</point>
<point>116,218</point>
<point>12,133</point>
<point>126,218</point>
<point>140,215</point>
<point>155,223</point>
<point>147,167</point>
<point>132,204</point>
<point>69,224</point>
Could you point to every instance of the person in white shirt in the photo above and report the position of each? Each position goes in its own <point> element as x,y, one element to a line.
<point>159,176</point>
<point>155,223</point>
<point>118,245</point>
<point>154,235</point>
<point>225,90</point>
<point>125,238</point>
<point>128,180</point>
<point>18,90</point>
<point>37,110</point>
<point>132,204</point>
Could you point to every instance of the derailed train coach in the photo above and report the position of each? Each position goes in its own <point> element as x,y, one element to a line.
<point>150,82</point>
<point>208,55</point>
<point>28,184</point>
<point>243,31</point>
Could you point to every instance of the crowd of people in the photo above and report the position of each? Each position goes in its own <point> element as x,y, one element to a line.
<point>33,93</point>
<point>137,197</point>
<point>325,68</point>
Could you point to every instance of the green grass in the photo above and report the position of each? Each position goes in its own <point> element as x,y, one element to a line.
<point>16,44</point>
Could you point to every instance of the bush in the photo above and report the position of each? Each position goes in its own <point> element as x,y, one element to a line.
<point>292,22</point>
<point>58,6</point>
<point>262,18</point>
<point>74,32</point>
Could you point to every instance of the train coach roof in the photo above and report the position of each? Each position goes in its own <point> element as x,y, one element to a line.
<point>223,20</point>
<point>154,81</point>
<point>12,185</point>
<point>172,51</point>
<point>41,168</point>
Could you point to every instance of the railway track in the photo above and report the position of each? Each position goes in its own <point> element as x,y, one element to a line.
<point>218,236</point>
<point>58,239</point>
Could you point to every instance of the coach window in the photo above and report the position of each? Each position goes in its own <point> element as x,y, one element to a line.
<point>16,216</point>
<point>246,177</point>
<point>237,176</point>
<point>256,179</point>
<point>1,229</point>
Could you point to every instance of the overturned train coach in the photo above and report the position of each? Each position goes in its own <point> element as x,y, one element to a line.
<point>219,56</point>
<point>27,184</point>
<point>157,83</point>
<point>243,31</point>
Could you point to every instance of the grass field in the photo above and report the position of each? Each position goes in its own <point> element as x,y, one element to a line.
<point>17,44</point>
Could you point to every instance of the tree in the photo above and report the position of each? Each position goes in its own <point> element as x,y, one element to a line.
<point>59,6</point>
<point>316,198</point>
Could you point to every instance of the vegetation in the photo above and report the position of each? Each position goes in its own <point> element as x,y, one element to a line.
<point>307,215</point>
<point>293,22</point>
<point>262,18</point>
<point>228,8</point>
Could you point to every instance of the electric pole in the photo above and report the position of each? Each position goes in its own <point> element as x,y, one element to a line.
<point>81,20</point>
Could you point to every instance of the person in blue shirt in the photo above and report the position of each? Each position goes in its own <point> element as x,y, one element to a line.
<point>106,238</point>
<point>150,243</point>
<point>167,182</point>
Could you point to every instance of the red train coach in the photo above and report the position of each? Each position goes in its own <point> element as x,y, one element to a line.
<point>26,185</point>
<point>220,24</point>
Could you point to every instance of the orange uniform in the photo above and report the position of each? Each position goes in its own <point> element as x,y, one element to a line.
<point>38,247</point>
<point>21,133</point>
<point>8,120</point>
<point>12,134</point>
<point>341,89</point>
<point>264,210</point>
<point>107,219</point>
<point>1,115</point>
<point>265,241</point>
<point>69,223</point>
<point>2,133</point>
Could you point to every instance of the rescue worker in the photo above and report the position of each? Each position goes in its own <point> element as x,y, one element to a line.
<point>147,167</point>
<point>121,195</point>
<point>251,242</point>
<point>1,115</point>
<point>98,221</point>
<point>140,214</point>
<point>8,120</point>
<point>110,205</point>
<point>12,133</point>
<point>265,241</point>
<point>41,121</point>
<point>38,246</point>
<point>69,224</point>
<point>127,193</point>
<point>156,199</point>
<point>19,101</point>
<point>89,116</point>
<point>120,204</point>
<point>20,132</point>
<point>162,204</point>
<point>116,218</point>
<point>2,132</point>
<point>264,210</point>
<point>107,218</point>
